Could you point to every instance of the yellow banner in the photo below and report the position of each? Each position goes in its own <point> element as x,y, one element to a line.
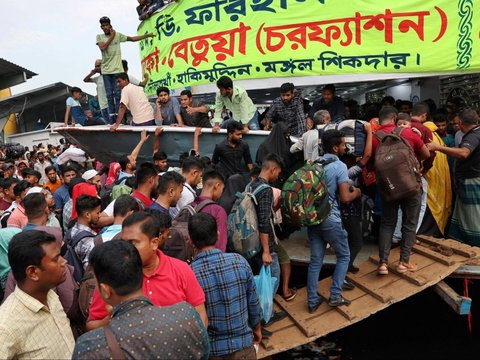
<point>198,41</point>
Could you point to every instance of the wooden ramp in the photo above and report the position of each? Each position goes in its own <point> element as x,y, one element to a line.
<point>436,259</point>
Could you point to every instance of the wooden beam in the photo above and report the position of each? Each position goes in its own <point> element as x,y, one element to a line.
<point>439,242</point>
<point>344,310</point>
<point>267,345</point>
<point>301,324</point>
<point>363,285</point>
<point>460,304</point>
<point>442,259</point>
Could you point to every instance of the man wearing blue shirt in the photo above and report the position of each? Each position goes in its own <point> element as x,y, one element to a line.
<point>124,206</point>
<point>331,230</point>
<point>170,187</point>
<point>233,308</point>
<point>61,196</point>
<point>75,110</point>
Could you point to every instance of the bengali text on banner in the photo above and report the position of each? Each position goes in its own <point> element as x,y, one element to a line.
<point>198,41</point>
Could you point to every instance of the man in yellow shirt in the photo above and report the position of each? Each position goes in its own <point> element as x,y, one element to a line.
<point>33,324</point>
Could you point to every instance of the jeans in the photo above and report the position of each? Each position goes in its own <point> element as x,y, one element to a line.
<point>93,122</point>
<point>353,226</point>
<point>105,116</point>
<point>113,96</point>
<point>333,233</point>
<point>397,235</point>
<point>252,124</point>
<point>410,212</point>
<point>147,123</point>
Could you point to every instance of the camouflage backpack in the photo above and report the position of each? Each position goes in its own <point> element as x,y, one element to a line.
<point>305,195</point>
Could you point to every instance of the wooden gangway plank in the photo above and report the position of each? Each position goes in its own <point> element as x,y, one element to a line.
<point>373,293</point>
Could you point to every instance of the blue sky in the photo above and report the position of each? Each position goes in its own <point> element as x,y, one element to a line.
<point>56,39</point>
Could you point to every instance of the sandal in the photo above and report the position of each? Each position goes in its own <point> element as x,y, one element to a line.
<point>293,293</point>
<point>382,269</point>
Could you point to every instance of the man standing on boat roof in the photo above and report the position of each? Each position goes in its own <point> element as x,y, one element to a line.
<point>330,102</point>
<point>288,107</point>
<point>167,109</point>
<point>109,44</point>
<point>236,100</point>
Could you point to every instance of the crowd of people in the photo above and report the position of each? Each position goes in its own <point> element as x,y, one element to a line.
<point>120,224</point>
<point>130,260</point>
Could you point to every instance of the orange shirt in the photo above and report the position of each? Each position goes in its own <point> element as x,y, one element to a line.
<point>53,186</point>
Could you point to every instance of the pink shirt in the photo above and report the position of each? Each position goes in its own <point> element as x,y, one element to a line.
<point>17,218</point>
<point>220,216</point>
<point>171,283</point>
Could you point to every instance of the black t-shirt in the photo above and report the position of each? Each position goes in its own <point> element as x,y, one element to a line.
<point>228,159</point>
<point>197,119</point>
<point>470,167</point>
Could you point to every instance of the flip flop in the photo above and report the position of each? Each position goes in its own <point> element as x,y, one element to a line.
<point>293,293</point>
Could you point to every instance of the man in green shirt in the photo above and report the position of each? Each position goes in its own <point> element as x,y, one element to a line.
<point>238,102</point>
<point>109,44</point>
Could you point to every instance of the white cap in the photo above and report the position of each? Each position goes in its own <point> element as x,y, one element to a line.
<point>34,190</point>
<point>89,174</point>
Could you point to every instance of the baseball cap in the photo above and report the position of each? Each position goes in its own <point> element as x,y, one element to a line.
<point>104,19</point>
<point>29,171</point>
<point>7,166</point>
<point>89,174</point>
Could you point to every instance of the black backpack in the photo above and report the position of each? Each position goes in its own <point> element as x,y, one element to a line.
<point>71,255</point>
<point>177,245</point>
<point>4,218</point>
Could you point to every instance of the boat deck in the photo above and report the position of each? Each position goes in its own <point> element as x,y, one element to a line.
<point>436,259</point>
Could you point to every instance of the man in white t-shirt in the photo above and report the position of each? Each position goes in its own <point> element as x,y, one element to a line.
<point>192,171</point>
<point>134,99</point>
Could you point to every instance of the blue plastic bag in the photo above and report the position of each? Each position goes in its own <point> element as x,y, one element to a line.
<point>265,284</point>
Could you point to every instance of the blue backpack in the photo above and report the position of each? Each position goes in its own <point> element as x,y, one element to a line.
<point>243,235</point>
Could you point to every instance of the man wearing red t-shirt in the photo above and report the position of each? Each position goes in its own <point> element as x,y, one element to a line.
<point>147,182</point>
<point>410,206</point>
<point>419,116</point>
<point>166,281</point>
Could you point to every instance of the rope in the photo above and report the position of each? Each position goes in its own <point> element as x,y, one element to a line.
<point>465,293</point>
